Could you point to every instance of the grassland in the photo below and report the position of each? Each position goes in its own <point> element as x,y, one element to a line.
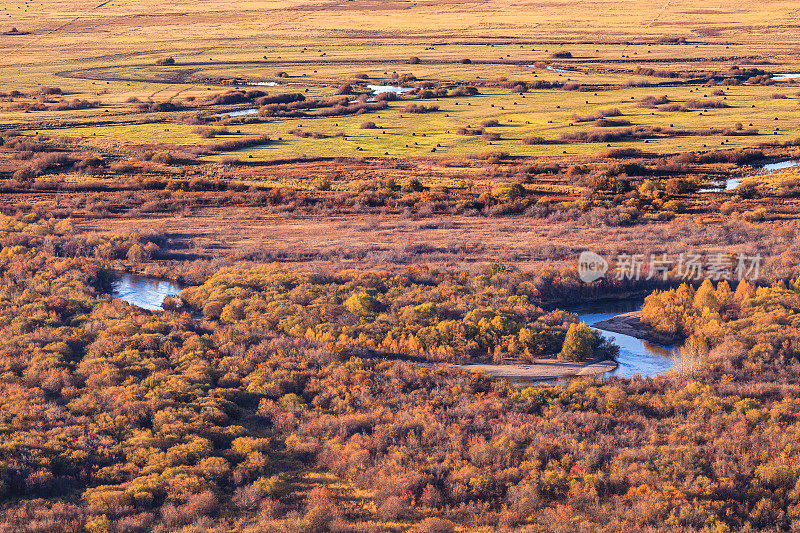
<point>107,54</point>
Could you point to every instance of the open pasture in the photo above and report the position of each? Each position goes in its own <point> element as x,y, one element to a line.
<point>107,54</point>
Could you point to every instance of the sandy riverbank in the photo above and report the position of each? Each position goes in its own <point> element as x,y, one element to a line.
<point>631,324</point>
<point>545,369</point>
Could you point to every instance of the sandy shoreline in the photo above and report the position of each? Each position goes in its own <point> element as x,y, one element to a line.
<point>543,369</point>
<point>631,324</point>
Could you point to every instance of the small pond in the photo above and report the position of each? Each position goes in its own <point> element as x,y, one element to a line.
<point>635,355</point>
<point>145,292</point>
<point>240,113</point>
<point>786,77</point>
<point>555,69</point>
<point>377,89</point>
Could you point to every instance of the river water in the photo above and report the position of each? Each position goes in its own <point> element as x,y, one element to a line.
<point>240,113</point>
<point>635,355</point>
<point>780,165</point>
<point>732,183</point>
<point>144,292</point>
<point>377,89</point>
<point>556,69</point>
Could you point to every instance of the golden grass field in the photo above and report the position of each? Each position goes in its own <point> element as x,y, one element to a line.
<point>107,53</point>
<point>619,54</point>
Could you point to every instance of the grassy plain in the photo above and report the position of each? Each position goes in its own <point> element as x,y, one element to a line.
<point>107,53</point>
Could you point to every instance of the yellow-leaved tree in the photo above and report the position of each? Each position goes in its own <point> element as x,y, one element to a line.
<point>578,344</point>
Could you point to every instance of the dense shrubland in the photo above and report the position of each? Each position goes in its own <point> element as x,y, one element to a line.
<point>710,316</point>
<point>117,419</point>
<point>428,314</point>
<point>318,393</point>
<point>626,187</point>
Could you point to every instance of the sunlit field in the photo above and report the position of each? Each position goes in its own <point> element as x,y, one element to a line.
<point>409,266</point>
<point>106,54</point>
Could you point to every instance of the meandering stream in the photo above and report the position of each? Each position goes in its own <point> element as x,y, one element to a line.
<point>396,89</point>
<point>635,355</point>
<point>732,183</point>
<point>240,113</point>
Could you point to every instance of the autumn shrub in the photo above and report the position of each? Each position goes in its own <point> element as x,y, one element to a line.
<point>623,153</point>
<point>419,109</point>
<point>24,175</point>
<point>470,131</point>
<point>234,144</point>
<point>307,134</point>
<point>210,133</point>
<point>622,134</point>
<point>157,107</point>
<point>578,343</point>
<point>612,112</point>
<point>693,104</point>
<point>434,524</point>
<point>50,91</point>
<point>534,140</point>
<point>285,98</point>
<point>463,90</point>
<point>50,161</point>
<point>74,105</point>
<point>651,102</point>
<point>361,303</point>
<point>756,215</point>
<point>611,123</point>
<point>344,89</point>
<point>120,419</point>
<point>389,96</point>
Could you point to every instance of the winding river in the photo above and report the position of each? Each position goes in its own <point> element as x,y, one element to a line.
<point>396,89</point>
<point>635,355</point>
<point>786,77</point>
<point>240,113</point>
<point>732,183</point>
<point>780,165</point>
